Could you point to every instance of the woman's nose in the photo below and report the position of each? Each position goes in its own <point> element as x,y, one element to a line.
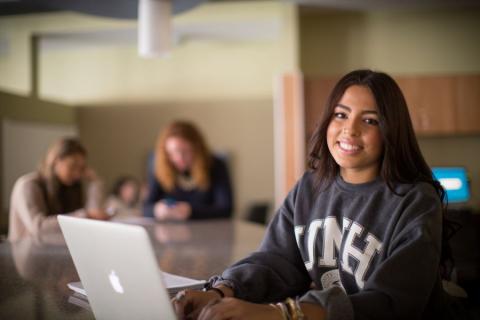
<point>351,128</point>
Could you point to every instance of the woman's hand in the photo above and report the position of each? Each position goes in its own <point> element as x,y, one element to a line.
<point>236,309</point>
<point>89,174</point>
<point>189,303</point>
<point>179,211</point>
<point>182,210</point>
<point>160,210</point>
<point>97,214</point>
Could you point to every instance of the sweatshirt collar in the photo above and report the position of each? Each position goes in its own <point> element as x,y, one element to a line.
<point>358,187</point>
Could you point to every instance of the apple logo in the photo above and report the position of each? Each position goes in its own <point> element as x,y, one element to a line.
<point>115,282</point>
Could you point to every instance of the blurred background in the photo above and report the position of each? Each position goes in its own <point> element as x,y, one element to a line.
<point>234,68</point>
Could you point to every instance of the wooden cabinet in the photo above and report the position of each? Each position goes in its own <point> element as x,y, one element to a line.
<point>431,103</point>
<point>438,105</point>
<point>443,105</point>
<point>468,104</point>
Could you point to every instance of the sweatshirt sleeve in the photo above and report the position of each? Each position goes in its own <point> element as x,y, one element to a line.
<point>401,286</point>
<point>155,193</point>
<point>276,270</point>
<point>222,204</point>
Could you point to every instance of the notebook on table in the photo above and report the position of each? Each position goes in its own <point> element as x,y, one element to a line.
<point>118,270</point>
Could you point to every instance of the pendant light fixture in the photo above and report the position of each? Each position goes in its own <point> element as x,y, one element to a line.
<point>154,28</point>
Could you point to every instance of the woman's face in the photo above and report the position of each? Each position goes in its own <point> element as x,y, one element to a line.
<point>353,135</point>
<point>180,153</point>
<point>70,169</point>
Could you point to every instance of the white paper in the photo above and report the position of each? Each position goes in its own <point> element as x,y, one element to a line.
<point>174,282</point>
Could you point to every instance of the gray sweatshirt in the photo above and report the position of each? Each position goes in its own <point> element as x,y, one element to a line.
<point>359,250</point>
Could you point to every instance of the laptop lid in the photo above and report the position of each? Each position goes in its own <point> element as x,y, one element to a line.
<point>118,269</point>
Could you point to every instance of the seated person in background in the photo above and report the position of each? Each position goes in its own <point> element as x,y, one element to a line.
<point>64,184</point>
<point>188,182</point>
<point>125,198</point>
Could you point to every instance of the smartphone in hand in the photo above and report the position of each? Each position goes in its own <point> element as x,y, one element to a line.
<point>170,202</point>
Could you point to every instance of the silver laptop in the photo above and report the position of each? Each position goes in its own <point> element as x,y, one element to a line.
<point>118,269</point>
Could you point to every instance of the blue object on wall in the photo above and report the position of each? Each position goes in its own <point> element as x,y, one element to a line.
<point>454,181</point>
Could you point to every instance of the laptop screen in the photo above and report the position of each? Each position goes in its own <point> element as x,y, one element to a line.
<point>454,181</point>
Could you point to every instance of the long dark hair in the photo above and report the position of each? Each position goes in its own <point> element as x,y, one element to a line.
<point>401,161</point>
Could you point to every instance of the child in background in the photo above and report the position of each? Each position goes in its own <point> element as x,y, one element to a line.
<point>124,200</point>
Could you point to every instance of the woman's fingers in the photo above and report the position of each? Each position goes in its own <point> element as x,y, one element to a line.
<point>181,303</point>
<point>189,303</point>
<point>235,309</point>
<point>211,311</point>
<point>225,308</point>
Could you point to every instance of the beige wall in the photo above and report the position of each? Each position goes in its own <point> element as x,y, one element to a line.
<point>120,138</point>
<point>15,31</point>
<point>398,42</point>
<point>401,42</point>
<point>31,109</point>
<point>204,66</point>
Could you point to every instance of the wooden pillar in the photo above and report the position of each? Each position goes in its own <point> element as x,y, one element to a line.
<point>289,135</point>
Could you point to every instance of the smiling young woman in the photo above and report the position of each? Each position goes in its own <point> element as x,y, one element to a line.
<point>360,236</point>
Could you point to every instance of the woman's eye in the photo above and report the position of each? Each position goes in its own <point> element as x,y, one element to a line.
<point>373,122</point>
<point>340,115</point>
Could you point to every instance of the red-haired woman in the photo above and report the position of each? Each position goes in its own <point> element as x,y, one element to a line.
<point>188,182</point>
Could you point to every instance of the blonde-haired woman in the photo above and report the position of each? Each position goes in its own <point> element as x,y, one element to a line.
<point>63,184</point>
<point>188,182</point>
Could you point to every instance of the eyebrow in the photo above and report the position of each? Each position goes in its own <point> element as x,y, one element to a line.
<point>350,109</point>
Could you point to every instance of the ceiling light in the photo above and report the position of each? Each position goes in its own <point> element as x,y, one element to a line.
<point>154,28</point>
